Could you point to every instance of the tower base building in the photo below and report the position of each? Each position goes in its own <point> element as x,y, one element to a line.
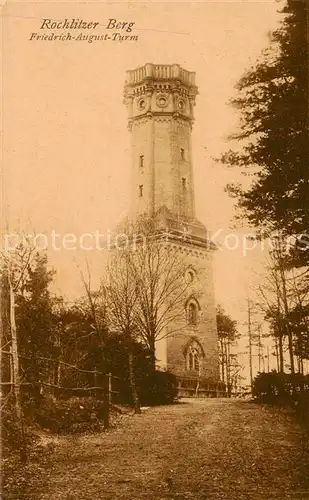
<point>160,100</point>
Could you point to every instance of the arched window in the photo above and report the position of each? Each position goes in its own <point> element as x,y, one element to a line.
<point>192,313</point>
<point>190,275</point>
<point>194,355</point>
<point>193,358</point>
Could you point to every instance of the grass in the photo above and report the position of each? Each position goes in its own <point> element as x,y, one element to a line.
<point>205,449</point>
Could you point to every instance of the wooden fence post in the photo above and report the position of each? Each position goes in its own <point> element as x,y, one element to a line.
<point>106,402</point>
<point>95,383</point>
<point>110,388</point>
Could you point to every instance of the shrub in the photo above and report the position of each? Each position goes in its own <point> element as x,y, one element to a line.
<point>21,457</point>
<point>12,439</point>
<point>22,476</point>
<point>282,389</point>
<point>74,414</point>
<point>159,388</point>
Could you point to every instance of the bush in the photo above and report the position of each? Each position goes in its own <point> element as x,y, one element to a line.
<point>12,439</point>
<point>159,388</point>
<point>71,415</point>
<point>21,457</point>
<point>282,389</point>
<point>22,476</point>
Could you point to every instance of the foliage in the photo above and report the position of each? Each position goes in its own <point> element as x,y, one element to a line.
<point>226,326</point>
<point>80,344</point>
<point>147,289</point>
<point>70,415</point>
<point>283,298</point>
<point>36,322</point>
<point>227,336</point>
<point>11,440</point>
<point>299,320</point>
<point>19,478</point>
<point>282,389</point>
<point>152,387</point>
<point>273,103</point>
<point>158,388</point>
<point>63,350</point>
<point>22,481</point>
<point>112,356</point>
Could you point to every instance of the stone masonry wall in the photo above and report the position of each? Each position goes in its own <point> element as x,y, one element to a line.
<point>166,176</point>
<point>205,331</point>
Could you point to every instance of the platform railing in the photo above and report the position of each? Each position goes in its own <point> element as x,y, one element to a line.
<point>160,72</point>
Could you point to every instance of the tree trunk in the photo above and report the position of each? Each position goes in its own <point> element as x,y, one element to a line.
<point>263,363</point>
<point>277,354</point>
<point>290,344</point>
<point>286,314</point>
<point>135,397</point>
<point>228,369</point>
<point>57,378</point>
<point>198,380</point>
<point>281,357</point>
<point>16,376</point>
<point>299,300</point>
<point>152,348</point>
<point>222,361</point>
<point>301,365</point>
<point>1,329</point>
<point>250,345</point>
<point>268,368</point>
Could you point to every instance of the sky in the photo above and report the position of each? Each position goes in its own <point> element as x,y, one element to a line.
<point>66,149</point>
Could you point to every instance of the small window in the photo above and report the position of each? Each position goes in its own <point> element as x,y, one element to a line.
<point>197,362</point>
<point>141,161</point>
<point>140,191</point>
<point>182,154</point>
<point>193,359</point>
<point>190,276</point>
<point>141,104</point>
<point>192,314</point>
<point>184,183</point>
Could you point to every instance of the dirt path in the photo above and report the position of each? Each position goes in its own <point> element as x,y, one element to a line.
<point>210,449</point>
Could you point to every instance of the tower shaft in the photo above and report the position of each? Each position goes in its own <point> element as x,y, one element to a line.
<point>160,101</point>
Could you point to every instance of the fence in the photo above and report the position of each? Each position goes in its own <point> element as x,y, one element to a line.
<point>102,387</point>
<point>192,387</point>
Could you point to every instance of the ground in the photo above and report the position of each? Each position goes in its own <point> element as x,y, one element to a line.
<point>199,449</point>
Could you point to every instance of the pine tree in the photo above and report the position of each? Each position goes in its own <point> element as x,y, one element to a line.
<point>274,141</point>
<point>36,323</point>
<point>227,335</point>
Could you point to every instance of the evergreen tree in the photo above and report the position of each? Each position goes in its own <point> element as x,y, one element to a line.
<point>36,323</point>
<point>273,103</point>
<point>227,335</point>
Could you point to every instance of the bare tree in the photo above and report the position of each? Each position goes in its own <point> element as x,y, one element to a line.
<point>122,300</point>
<point>249,310</point>
<point>284,300</point>
<point>300,317</point>
<point>280,267</point>
<point>147,290</point>
<point>270,304</point>
<point>95,301</point>
<point>157,269</point>
<point>15,265</point>
<point>227,336</point>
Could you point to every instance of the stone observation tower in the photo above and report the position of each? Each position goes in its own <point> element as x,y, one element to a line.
<point>160,100</point>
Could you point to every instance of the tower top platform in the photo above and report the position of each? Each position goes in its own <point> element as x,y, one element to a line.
<point>164,72</point>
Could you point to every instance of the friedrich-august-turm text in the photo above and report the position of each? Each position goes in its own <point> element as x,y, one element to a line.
<point>85,30</point>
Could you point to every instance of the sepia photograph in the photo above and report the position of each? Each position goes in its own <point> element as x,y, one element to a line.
<point>154,257</point>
